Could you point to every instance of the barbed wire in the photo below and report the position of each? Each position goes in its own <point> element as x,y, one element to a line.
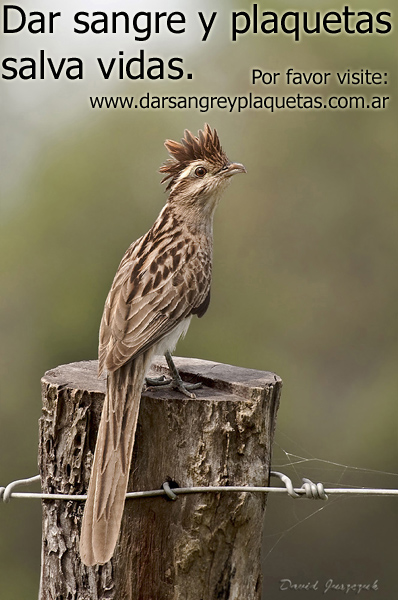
<point>310,490</point>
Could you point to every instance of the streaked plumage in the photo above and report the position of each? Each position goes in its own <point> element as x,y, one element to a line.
<point>163,280</point>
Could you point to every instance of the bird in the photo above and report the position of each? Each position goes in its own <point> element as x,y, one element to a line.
<point>163,280</point>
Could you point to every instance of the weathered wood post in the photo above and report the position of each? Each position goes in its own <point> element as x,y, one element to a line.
<point>199,547</point>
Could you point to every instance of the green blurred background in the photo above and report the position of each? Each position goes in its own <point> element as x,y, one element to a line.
<point>305,279</point>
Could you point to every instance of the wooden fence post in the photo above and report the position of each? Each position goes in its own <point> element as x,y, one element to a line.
<point>199,547</point>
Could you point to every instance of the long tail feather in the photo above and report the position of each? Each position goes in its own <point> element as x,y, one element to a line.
<point>112,458</point>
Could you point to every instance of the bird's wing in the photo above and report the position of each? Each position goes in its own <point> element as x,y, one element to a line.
<point>156,286</point>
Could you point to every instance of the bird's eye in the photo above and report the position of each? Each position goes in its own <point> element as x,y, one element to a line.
<point>200,171</point>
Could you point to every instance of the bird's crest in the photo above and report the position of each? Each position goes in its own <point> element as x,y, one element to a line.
<point>205,146</point>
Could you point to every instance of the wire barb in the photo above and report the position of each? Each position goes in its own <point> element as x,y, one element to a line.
<point>313,491</point>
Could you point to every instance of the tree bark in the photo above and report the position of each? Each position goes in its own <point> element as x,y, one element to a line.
<point>199,547</point>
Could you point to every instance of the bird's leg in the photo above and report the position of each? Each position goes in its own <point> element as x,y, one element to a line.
<point>177,381</point>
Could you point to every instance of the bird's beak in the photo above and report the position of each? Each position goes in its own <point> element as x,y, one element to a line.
<point>234,168</point>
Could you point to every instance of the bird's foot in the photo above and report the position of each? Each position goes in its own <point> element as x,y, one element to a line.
<point>176,384</point>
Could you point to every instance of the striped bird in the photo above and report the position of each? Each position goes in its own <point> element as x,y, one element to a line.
<point>163,280</point>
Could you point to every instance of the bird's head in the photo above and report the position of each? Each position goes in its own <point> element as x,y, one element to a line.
<point>198,169</point>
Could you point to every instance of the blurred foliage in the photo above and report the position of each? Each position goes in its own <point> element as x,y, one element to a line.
<point>304,284</point>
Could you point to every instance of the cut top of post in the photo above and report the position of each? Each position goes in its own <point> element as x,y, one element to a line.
<point>218,379</point>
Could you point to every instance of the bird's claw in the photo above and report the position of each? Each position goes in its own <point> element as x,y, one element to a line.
<point>157,381</point>
<point>185,387</point>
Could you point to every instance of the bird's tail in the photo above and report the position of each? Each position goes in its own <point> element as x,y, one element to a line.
<point>112,458</point>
